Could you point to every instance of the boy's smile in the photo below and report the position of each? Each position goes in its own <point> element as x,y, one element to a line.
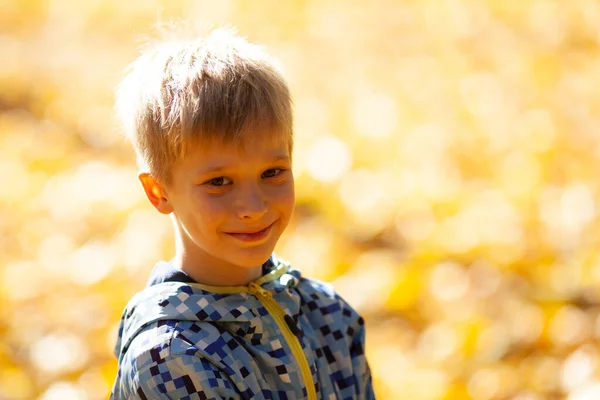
<point>230,204</point>
<point>252,235</point>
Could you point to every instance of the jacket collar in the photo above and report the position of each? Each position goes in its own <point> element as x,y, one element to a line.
<point>189,301</point>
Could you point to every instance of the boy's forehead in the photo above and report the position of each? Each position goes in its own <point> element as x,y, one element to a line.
<point>216,153</point>
<point>263,141</point>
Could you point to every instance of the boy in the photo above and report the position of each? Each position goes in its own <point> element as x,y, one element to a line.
<point>211,123</point>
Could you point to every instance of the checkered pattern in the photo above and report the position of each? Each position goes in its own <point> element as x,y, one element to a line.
<point>178,341</point>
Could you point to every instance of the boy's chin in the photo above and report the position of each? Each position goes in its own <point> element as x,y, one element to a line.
<point>252,259</point>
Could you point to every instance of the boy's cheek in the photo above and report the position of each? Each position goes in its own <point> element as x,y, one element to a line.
<point>287,196</point>
<point>215,207</point>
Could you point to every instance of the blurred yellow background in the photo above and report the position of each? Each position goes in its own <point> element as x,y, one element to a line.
<point>446,160</point>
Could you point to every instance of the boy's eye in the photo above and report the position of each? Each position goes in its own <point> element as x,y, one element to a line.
<point>220,181</point>
<point>270,173</point>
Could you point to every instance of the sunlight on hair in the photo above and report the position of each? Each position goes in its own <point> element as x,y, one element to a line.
<point>171,96</point>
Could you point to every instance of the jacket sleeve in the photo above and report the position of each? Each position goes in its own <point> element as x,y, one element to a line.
<point>179,376</point>
<point>360,363</point>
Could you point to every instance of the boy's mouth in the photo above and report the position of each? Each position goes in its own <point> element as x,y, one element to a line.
<point>251,235</point>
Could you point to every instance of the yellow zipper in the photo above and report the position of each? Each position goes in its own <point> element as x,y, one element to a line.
<point>266,298</point>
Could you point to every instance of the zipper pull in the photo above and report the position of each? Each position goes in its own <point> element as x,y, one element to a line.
<point>257,290</point>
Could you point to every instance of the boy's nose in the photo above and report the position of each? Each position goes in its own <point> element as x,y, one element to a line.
<point>252,204</point>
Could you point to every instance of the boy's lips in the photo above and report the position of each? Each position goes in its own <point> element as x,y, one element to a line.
<point>251,235</point>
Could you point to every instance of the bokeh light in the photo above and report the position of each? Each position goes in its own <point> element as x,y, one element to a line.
<point>446,160</point>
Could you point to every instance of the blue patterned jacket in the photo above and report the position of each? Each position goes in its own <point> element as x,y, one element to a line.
<point>281,337</point>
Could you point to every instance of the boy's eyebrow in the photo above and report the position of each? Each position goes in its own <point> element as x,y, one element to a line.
<point>218,168</point>
<point>282,157</point>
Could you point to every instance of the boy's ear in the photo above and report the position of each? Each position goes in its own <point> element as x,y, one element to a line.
<point>155,193</point>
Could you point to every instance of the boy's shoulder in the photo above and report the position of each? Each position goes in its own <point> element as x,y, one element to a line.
<point>320,299</point>
<point>316,295</point>
<point>179,325</point>
<point>180,306</point>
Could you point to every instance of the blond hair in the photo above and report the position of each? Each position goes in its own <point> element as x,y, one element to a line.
<point>182,92</point>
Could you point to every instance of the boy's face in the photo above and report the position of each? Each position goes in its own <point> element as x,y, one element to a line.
<point>230,203</point>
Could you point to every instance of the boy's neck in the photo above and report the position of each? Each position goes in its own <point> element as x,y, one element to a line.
<point>214,272</point>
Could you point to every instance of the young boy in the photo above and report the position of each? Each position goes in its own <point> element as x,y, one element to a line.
<point>211,123</point>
